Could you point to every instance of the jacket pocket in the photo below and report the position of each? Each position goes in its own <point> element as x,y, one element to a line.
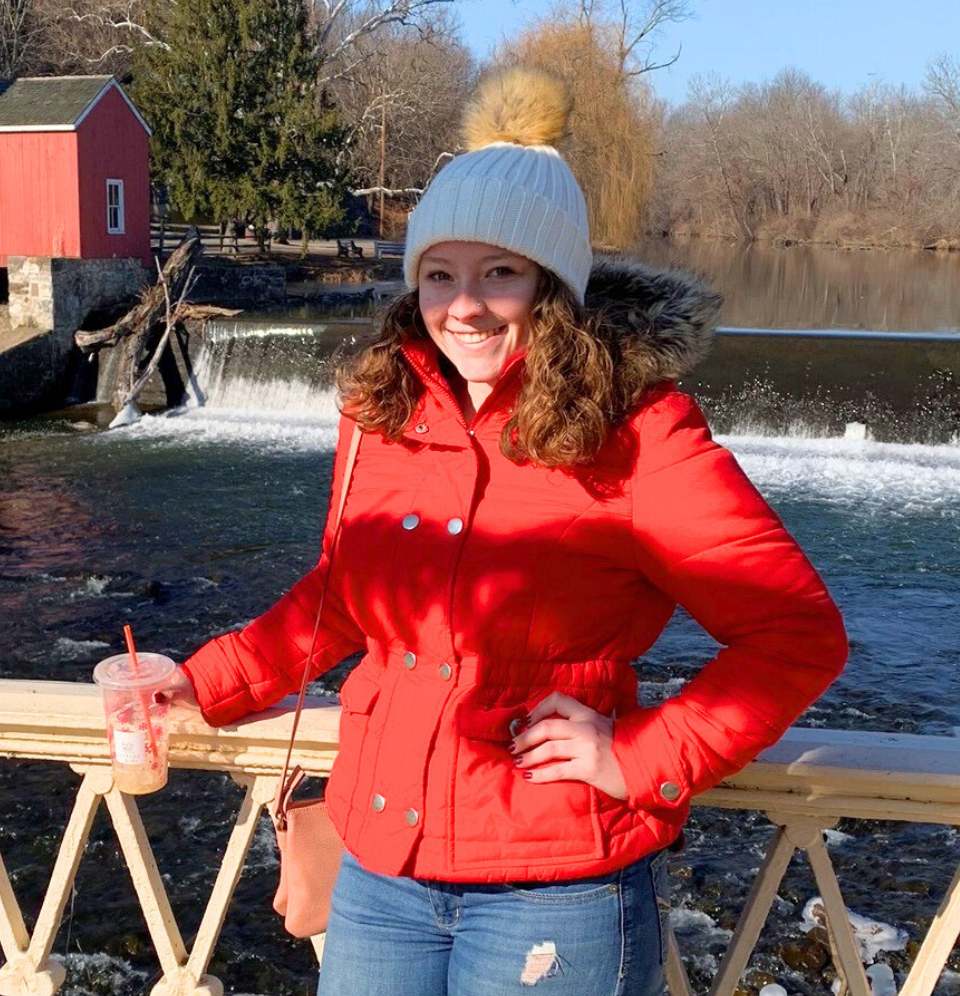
<point>498,814</point>
<point>360,691</point>
<point>358,698</point>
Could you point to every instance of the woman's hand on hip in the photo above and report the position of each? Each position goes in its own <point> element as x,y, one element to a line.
<point>566,740</point>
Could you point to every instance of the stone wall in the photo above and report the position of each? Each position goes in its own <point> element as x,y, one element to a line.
<point>58,294</point>
<point>49,300</point>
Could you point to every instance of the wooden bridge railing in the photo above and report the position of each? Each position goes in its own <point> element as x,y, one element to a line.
<point>804,785</point>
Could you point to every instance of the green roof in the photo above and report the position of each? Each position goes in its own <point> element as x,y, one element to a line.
<point>50,101</point>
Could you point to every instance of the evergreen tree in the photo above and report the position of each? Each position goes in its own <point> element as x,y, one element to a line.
<point>241,128</point>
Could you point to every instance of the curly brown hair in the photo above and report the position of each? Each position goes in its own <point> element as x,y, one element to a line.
<point>575,388</point>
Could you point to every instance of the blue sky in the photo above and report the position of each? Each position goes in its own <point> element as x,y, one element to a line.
<point>841,43</point>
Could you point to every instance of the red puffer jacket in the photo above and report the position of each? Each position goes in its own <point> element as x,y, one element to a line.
<point>477,586</point>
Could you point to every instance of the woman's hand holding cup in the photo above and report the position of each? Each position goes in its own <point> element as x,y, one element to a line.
<point>178,692</point>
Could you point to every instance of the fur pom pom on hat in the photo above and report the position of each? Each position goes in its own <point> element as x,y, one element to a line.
<point>512,189</point>
<point>522,106</point>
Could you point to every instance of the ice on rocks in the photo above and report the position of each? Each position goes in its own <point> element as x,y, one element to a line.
<point>127,415</point>
<point>871,936</point>
<point>882,981</point>
<point>836,838</point>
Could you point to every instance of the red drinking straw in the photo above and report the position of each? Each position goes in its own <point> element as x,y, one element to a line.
<point>135,667</point>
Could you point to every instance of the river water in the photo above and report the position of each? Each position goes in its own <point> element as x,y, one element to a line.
<point>191,523</point>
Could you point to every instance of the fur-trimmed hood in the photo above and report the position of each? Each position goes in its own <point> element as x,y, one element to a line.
<point>665,318</point>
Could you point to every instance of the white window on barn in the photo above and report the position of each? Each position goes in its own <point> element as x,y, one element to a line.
<point>115,224</point>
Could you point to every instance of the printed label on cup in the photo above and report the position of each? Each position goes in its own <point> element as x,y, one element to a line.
<point>129,747</point>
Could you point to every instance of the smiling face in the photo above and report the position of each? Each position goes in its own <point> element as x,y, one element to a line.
<point>476,301</point>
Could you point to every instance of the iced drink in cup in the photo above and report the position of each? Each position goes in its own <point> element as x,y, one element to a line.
<point>137,727</point>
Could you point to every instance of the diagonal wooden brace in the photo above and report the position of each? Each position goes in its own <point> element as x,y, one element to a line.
<point>755,913</point>
<point>838,923</point>
<point>937,945</point>
<point>28,968</point>
<point>183,972</point>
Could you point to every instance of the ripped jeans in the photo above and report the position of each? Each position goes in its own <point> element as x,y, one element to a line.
<point>401,936</point>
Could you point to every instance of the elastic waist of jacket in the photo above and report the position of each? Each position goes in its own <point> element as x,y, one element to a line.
<point>399,654</point>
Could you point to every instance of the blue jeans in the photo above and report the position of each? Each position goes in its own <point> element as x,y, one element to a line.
<point>401,936</point>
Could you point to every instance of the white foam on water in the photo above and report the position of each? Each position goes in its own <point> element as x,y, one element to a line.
<point>853,471</point>
<point>93,587</point>
<point>263,854</point>
<point>105,972</point>
<point>293,432</point>
<point>78,650</point>
<point>654,692</point>
<point>291,416</point>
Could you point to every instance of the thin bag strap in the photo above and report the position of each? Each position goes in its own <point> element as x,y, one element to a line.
<point>283,796</point>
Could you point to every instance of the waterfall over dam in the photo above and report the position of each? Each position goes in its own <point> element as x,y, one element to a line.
<point>886,386</point>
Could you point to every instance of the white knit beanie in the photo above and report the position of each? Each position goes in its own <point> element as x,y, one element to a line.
<point>512,189</point>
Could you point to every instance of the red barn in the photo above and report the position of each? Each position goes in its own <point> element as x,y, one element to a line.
<point>74,170</point>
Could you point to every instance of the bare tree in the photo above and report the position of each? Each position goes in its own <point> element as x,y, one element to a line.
<point>787,159</point>
<point>943,81</point>
<point>99,36</point>
<point>343,25</point>
<point>21,30</point>
<point>633,27</point>
<point>403,99</point>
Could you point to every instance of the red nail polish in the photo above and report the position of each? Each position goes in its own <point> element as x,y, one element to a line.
<point>160,698</point>
<point>527,774</point>
<point>512,748</point>
<point>518,760</point>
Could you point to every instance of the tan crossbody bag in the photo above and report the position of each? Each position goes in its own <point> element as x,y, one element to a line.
<point>310,847</point>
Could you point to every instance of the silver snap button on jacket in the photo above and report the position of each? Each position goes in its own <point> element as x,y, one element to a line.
<point>670,791</point>
<point>411,521</point>
<point>445,671</point>
<point>421,428</point>
<point>412,817</point>
<point>455,526</point>
<point>409,660</point>
<point>378,803</point>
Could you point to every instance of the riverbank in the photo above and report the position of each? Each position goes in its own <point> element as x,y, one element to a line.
<point>322,263</point>
<point>841,232</point>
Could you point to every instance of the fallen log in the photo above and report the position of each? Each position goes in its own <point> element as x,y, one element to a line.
<point>134,370</point>
<point>152,307</point>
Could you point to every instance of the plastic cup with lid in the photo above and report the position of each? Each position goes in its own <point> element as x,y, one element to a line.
<point>137,727</point>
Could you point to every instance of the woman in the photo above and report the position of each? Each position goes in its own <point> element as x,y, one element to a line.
<point>533,496</point>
